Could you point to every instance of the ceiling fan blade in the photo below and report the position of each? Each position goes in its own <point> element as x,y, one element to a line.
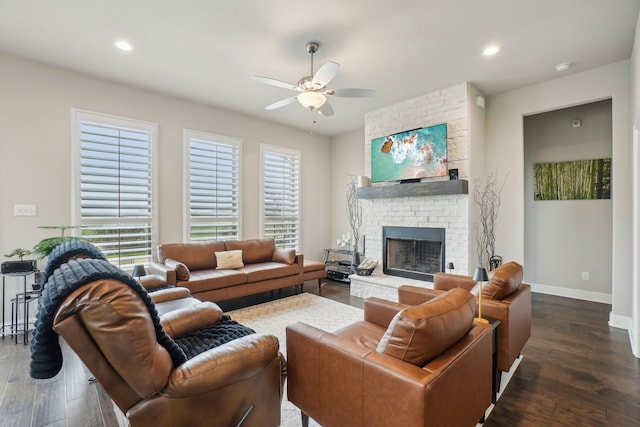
<point>280,103</point>
<point>274,82</point>
<point>351,92</point>
<point>326,109</point>
<point>325,74</point>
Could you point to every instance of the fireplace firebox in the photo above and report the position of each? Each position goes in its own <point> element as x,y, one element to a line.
<point>413,252</point>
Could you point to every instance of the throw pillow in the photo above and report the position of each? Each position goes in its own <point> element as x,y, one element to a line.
<point>229,260</point>
<point>420,333</point>
<point>284,256</point>
<point>182,271</point>
<point>503,282</point>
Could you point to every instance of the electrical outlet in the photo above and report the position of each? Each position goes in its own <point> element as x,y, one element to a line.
<point>24,210</point>
<point>585,275</point>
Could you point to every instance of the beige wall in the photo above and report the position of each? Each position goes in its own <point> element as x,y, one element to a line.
<point>347,160</point>
<point>35,157</point>
<point>505,149</point>
<point>635,117</point>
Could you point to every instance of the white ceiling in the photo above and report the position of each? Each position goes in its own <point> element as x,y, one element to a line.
<point>208,50</point>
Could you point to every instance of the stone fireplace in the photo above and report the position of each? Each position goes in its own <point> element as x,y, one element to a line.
<point>413,252</point>
<point>433,203</point>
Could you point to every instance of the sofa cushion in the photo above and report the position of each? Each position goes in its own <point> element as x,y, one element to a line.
<point>207,280</point>
<point>195,255</point>
<point>269,270</point>
<point>420,333</point>
<point>182,272</point>
<point>503,281</point>
<point>284,256</point>
<point>253,251</point>
<point>229,260</point>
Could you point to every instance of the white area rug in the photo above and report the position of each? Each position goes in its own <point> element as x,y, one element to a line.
<point>273,318</point>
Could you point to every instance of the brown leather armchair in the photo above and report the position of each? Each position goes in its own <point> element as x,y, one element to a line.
<point>504,297</point>
<point>401,366</point>
<point>108,325</point>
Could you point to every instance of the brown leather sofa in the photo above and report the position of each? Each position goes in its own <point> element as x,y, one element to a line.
<point>109,327</point>
<point>504,297</point>
<point>401,366</point>
<point>194,266</point>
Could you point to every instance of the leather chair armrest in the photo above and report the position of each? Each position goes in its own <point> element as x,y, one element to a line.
<point>169,294</point>
<point>381,312</point>
<point>168,273</point>
<point>188,319</point>
<point>233,362</point>
<point>514,313</point>
<point>413,295</point>
<point>446,281</point>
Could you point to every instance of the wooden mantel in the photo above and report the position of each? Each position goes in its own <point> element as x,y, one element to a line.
<point>415,189</point>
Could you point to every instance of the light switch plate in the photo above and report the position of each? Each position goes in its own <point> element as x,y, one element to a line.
<point>24,210</point>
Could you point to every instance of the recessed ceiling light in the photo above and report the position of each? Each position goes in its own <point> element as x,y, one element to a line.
<point>491,50</point>
<point>123,45</point>
<point>564,66</point>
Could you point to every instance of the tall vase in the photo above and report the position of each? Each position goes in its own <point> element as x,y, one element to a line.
<point>355,258</point>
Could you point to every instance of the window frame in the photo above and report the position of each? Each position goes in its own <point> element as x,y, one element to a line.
<point>213,139</point>
<point>79,116</point>
<point>265,149</point>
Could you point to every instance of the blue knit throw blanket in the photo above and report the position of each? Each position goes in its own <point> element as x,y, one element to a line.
<point>46,355</point>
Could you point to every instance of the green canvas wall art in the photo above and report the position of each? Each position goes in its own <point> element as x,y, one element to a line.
<point>574,180</point>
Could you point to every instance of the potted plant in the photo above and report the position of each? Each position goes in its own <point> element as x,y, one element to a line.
<point>354,216</point>
<point>487,196</point>
<point>21,266</point>
<point>45,246</point>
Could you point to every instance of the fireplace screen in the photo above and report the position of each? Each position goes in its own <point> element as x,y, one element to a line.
<point>413,252</point>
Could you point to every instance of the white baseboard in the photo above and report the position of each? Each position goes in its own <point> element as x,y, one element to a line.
<point>571,293</point>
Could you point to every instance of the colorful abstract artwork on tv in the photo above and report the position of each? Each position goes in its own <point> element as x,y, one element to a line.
<point>409,155</point>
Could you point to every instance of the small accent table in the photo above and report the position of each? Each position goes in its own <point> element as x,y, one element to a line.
<point>497,375</point>
<point>15,331</point>
<point>338,262</point>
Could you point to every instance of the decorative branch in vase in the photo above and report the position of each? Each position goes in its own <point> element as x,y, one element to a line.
<point>487,195</point>
<point>354,217</point>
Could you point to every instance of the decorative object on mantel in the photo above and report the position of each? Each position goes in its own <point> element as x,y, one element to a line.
<point>363,181</point>
<point>354,216</point>
<point>487,196</point>
<point>480,276</point>
<point>366,267</point>
<point>453,174</point>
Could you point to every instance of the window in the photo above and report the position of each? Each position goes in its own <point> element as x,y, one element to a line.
<point>114,186</point>
<point>280,170</point>
<point>213,186</point>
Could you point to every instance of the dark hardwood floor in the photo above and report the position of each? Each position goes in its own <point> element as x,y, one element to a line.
<point>576,371</point>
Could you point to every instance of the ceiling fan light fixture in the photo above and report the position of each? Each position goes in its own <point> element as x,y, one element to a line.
<point>311,99</point>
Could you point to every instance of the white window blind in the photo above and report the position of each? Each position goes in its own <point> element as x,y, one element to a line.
<point>115,177</point>
<point>213,187</point>
<point>280,196</point>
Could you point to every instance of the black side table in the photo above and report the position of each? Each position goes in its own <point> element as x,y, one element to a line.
<point>23,301</point>
<point>497,375</point>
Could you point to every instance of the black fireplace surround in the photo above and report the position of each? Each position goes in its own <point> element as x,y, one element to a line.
<point>413,252</point>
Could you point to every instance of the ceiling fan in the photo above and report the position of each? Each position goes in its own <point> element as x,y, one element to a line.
<point>313,88</point>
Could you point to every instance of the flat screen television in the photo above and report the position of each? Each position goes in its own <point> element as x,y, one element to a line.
<point>410,155</point>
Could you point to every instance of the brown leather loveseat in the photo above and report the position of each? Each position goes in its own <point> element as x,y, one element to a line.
<point>404,366</point>
<point>197,266</point>
<point>504,297</point>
